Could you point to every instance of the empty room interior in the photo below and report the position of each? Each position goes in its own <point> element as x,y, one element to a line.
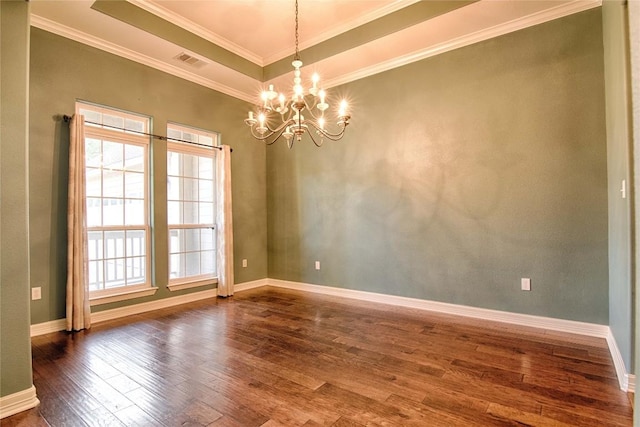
<point>306,212</point>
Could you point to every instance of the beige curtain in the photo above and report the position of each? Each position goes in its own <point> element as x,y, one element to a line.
<point>78,309</point>
<point>224,223</point>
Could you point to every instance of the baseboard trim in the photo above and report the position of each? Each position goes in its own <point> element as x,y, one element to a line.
<point>130,310</point>
<point>560,325</point>
<point>239,287</point>
<point>626,380</point>
<point>18,402</point>
<point>48,327</point>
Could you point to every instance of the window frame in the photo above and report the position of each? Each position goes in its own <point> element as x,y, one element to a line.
<point>200,150</point>
<point>134,138</point>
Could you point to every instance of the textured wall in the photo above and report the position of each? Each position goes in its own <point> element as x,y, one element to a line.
<point>618,119</point>
<point>15,346</point>
<point>460,175</point>
<point>63,71</point>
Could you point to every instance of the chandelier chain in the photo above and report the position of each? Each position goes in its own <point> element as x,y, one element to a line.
<point>297,57</point>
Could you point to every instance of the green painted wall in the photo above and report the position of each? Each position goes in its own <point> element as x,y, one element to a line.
<point>460,175</point>
<point>63,71</point>
<point>15,346</point>
<point>633,17</point>
<point>618,119</point>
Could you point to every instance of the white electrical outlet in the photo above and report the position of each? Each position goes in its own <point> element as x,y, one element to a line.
<point>317,265</point>
<point>244,263</point>
<point>525,284</point>
<point>36,293</point>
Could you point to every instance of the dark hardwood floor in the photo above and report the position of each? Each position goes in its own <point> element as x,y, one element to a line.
<point>273,357</point>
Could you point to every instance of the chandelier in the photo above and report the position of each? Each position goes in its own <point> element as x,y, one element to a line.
<point>288,111</point>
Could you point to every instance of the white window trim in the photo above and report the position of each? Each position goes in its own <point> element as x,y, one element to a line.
<point>106,296</point>
<point>193,282</point>
<point>123,295</point>
<point>176,146</point>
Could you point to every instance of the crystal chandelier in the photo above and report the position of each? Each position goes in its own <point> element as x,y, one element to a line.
<point>291,120</point>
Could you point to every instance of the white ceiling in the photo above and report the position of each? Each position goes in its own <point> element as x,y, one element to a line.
<point>262,31</point>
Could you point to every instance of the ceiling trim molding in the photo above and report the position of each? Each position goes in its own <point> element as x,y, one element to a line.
<point>198,30</point>
<point>364,19</point>
<point>84,38</point>
<point>469,39</point>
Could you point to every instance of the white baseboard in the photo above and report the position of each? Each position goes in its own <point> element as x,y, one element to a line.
<point>626,381</point>
<point>239,287</point>
<point>101,316</point>
<point>48,327</point>
<point>18,402</point>
<point>560,325</point>
<point>130,310</point>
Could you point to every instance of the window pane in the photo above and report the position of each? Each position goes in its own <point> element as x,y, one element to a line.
<point>174,160</point>
<point>192,263</point>
<point>112,183</point>
<point>207,262</point>
<point>176,241</point>
<point>205,213</point>
<point>134,185</point>
<point>174,212</point>
<point>174,134</point>
<point>95,245</point>
<point>93,152</point>
<point>205,168</point>
<point>177,266</point>
<point>206,239</point>
<point>91,116</point>
<point>112,155</point>
<point>94,212</point>
<point>190,166</point>
<point>136,243</point>
<point>174,188</point>
<point>192,239</point>
<point>134,212</point>
<point>136,270</point>
<point>190,188</point>
<point>109,120</point>
<point>134,158</point>
<point>134,125</point>
<point>96,275</point>
<point>114,244</point>
<point>93,182</point>
<point>114,273</point>
<point>113,211</point>
<point>205,191</point>
<point>190,213</point>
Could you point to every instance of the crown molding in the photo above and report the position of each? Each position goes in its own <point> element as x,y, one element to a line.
<point>485,34</point>
<point>361,20</point>
<point>192,27</point>
<point>87,39</point>
<point>559,11</point>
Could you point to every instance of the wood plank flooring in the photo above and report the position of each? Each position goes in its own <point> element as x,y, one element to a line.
<point>274,357</point>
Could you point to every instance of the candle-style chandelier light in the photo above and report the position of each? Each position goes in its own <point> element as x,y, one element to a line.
<point>290,111</point>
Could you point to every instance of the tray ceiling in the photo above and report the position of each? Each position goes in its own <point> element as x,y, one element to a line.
<point>239,46</point>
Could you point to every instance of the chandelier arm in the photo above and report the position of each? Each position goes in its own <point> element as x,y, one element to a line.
<point>325,133</point>
<point>264,137</point>
<point>314,140</point>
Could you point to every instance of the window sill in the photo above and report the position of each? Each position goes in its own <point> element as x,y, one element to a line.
<point>188,285</point>
<point>122,296</point>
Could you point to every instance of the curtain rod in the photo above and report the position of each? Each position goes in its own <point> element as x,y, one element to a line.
<point>67,119</point>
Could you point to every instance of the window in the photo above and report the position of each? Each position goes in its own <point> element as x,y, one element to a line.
<point>117,201</point>
<point>191,206</point>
